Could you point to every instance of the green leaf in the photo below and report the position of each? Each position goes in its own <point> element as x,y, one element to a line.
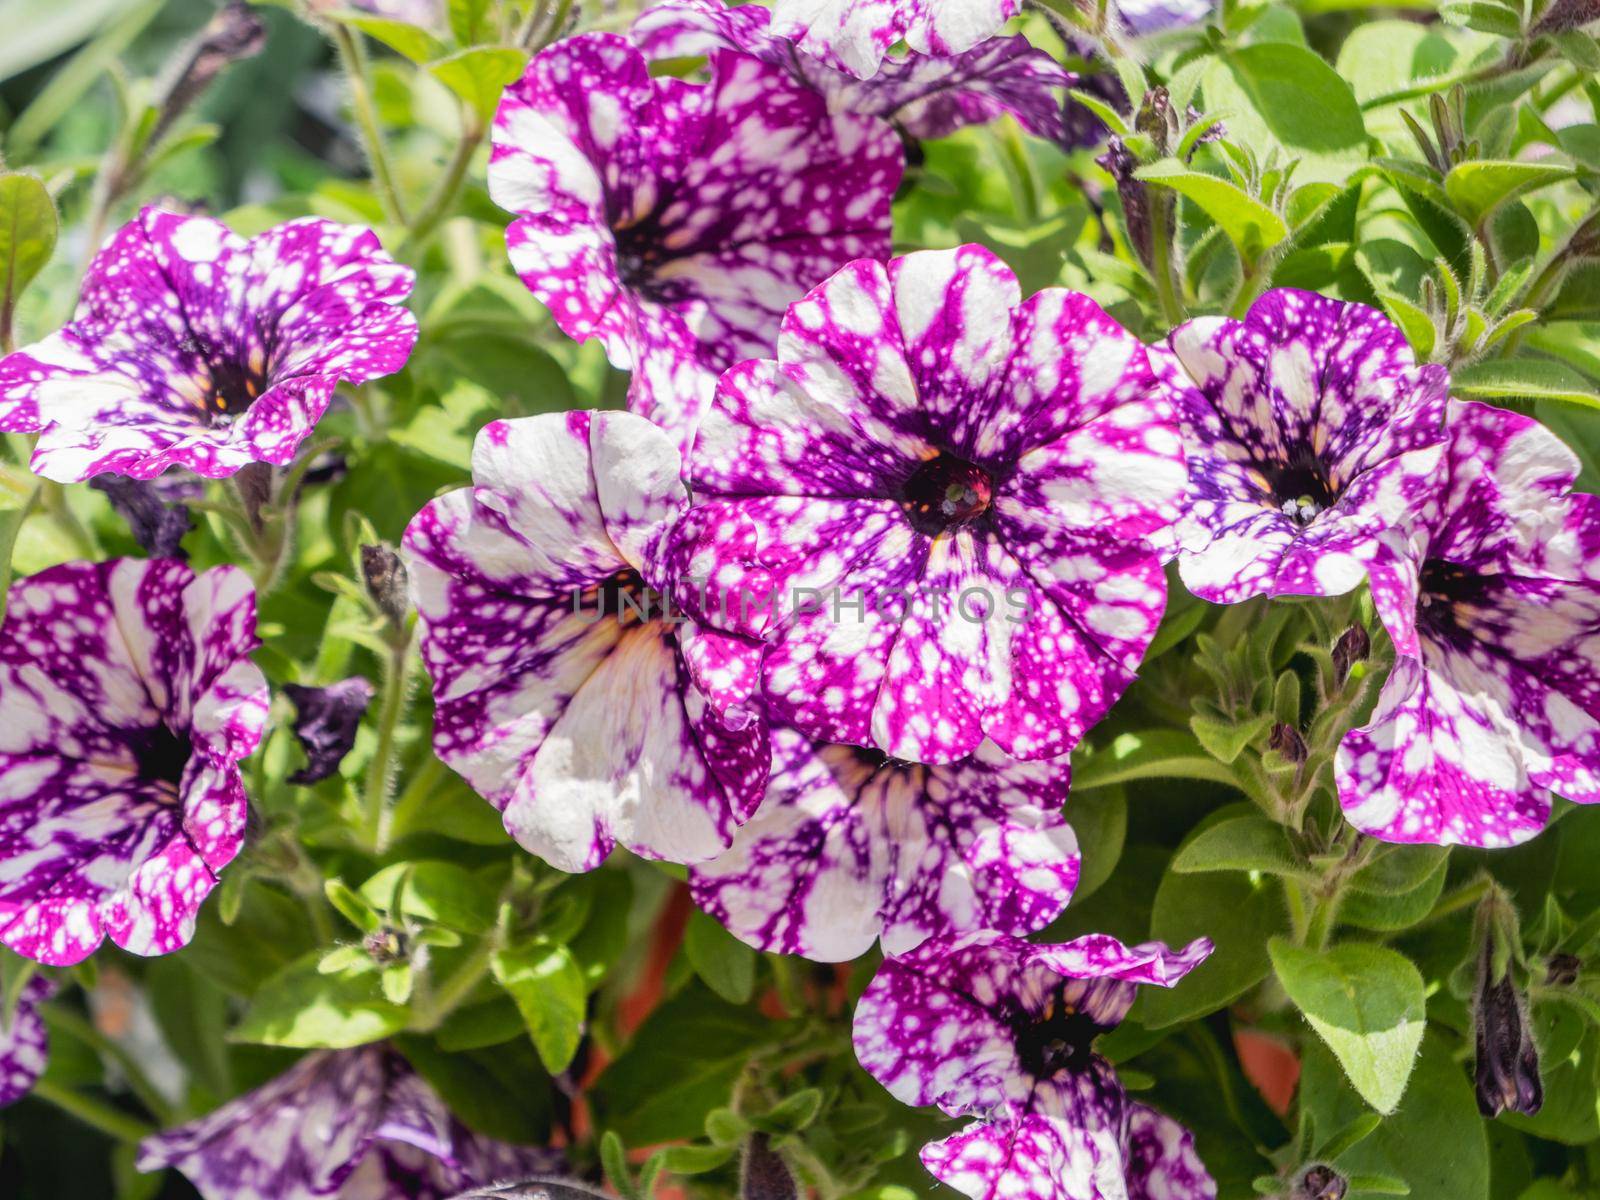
<point>1367,1003</point>
<point>727,965</point>
<point>1242,844</point>
<point>440,892</point>
<point>1396,869</point>
<point>549,989</point>
<point>1153,754</point>
<point>303,1008</point>
<point>478,76</point>
<point>502,1093</point>
<point>1524,379</point>
<point>1100,821</point>
<point>28,228</point>
<point>1226,740</point>
<point>1379,1185</point>
<point>1483,16</point>
<point>1478,188</point>
<point>412,41</point>
<point>1283,96</point>
<point>1348,1138</point>
<point>1250,225</point>
<point>469,20</point>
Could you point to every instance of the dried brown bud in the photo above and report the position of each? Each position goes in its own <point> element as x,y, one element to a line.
<point>1353,646</point>
<point>1286,740</point>
<point>386,581</point>
<point>234,33</point>
<point>1561,970</point>
<point>1320,1182</point>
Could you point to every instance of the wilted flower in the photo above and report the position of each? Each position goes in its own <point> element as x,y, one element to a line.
<point>194,347</point>
<point>126,700</point>
<point>1353,646</point>
<point>564,687</point>
<point>992,1027</point>
<point>856,35</point>
<point>158,523</point>
<point>1494,698</point>
<point>674,221</point>
<point>25,1042</point>
<point>1313,437</point>
<point>850,846</point>
<point>384,573</point>
<point>966,481</point>
<point>338,1125</point>
<point>326,720</point>
<point>923,95</point>
<point>1320,1182</point>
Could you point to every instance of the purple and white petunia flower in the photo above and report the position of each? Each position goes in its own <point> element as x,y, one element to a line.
<point>1494,699</point>
<point>25,1042</point>
<point>948,494</point>
<point>849,847</point>
<point>675,221</point>
<point>339,1125</point>
<point>925,96</point>
<point>562,682</point>
<point>127,699</point>
<point>1313,437</point>
<point>992,1027</point>
<point>1145,17</point>
<point>192,346</point>
<point>856,35</point>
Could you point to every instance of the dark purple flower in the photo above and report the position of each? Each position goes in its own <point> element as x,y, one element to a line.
<point>1313,438</point>
<point>1494,699</point>
<point>924,95</point>
<point>338,1125</point>
<point>25,1042</point>
<point>991,1027</point>
<point>849,847</point>
<point>675,221</point>
<point>192,346</point>
<point>326,720</point>
<point>565,692</point>
<point>856,35</point>
<point>1506,1064</point>
<point>158,524</point>
<point>127,699</point>
<point>964,484</point>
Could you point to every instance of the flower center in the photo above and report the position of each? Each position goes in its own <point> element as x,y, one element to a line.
<point>623,597</point>
<point>161,755</point>
<point>233,389</point>
<point>946,492</point>
<point>640,257</point>
<point>1062,1039</point>
<point>1300,489</point>
<point>1445,594</point>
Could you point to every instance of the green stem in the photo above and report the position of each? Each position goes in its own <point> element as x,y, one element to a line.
<point>458,986</point>
<point>139,1083</point>
<point>1251,285</point>
<point>1163,263</point>
<point>396,683</point>
<point>443,197</point>
<point>95,1113</point>
<point>354,60</point>
<point>53,501</point>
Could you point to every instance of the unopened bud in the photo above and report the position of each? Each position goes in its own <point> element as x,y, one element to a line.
<point>1119,162</point>
<point>1353,646</point>
<point>235,32</point>
<point>1320,1182</point>
<point>1158,119</point>
<point>253,482</point>
<point>326,719</point>
<point>1507,1071</point>
<point>1215,132</point>
<point>157,524</point>
<point>384,946</point>
<point>764,1175</point>
<point>1561,970</point>
<point>1563,15</point>
<point>1286,740</point>
<point>386,580</point>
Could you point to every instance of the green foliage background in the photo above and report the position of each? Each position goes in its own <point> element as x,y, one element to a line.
<point>1480,238</point>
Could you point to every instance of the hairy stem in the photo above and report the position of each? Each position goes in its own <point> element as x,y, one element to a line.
<point>354,60</point>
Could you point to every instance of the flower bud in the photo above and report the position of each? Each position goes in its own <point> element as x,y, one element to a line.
<point>1353,646</point>
<point>764,1175</point>
<point>235,32</point>
<point>1320,1182</point>
<point>1158,119</point>
<point>157,524</point>
<point>386,580</point>
<point>326,719</point>
<point>1286,740</point>
<point>1561,970</point>
<point>1119,162</point>
<point>1563,15</point>
<point>1507,1071</point>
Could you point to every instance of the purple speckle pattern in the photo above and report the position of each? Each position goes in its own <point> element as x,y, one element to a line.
<point>675,221</point>
<point>1313,439</point>
<point>1494,700</point>
<point>925,96</point>
<point>570,711</point>
<point>856,35</point>
<point>992,1027</point>
<point>952,493</point>
<point>339,1125</point>
<point>127,699</point>
<point>25,1042</point>
<point>849,847</point>
<point>194,347</point>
